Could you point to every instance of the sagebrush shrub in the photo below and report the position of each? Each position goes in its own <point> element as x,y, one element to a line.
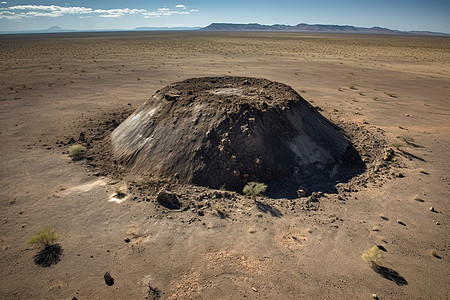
<point>44,237</point>
<point>254,189</point>
<point>373,256</point>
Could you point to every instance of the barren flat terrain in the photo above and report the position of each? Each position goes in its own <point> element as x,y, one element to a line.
<point>388,94</point>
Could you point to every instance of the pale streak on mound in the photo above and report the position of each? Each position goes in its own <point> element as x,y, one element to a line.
<point>226,131</point>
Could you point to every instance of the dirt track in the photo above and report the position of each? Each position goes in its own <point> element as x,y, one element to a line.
<point>394,89</point>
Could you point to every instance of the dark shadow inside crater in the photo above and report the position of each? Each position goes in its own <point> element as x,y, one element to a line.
<point>325,180</point>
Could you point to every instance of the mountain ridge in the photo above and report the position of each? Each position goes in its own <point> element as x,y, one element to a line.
<point>313,28</point>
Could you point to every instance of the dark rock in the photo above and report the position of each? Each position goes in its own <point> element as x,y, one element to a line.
<point>168,200</point>
<point>108,279</point>
<point>314,197</point>
<point>388,155</point>
<point>171,97</point>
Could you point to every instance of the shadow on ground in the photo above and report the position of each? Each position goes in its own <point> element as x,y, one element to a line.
<point>390,274</point>
<point>49,255</point>
<point>266,208</point>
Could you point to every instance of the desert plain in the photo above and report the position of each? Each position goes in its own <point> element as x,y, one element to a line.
<point>389,94</point>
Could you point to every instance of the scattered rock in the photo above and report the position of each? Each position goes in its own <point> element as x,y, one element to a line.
<point>401,222</point>
<point>314,197</point>
<point>168,200</point>
<point>171,97</point>
<point>435,254</point>
<point>388,155</point>
<point>301,193</point>
<point>108,279</point>
<point>127,240</point>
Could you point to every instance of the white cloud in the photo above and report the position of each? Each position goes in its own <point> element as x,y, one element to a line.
<point>31,11</point>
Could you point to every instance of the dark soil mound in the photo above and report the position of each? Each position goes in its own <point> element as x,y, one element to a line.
<point>227,131</point>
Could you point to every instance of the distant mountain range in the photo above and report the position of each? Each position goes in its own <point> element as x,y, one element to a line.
<point>316,28</point>
<point>302,27</point>
<point>166,28</point>
<point>57,29</point>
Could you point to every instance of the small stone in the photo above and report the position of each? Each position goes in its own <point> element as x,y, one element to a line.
<point>301,193</point>
<point>168,200</point>
<point>254,289</point>
<point>171,97</point>
<point>432,209</point>
<point>374,296</point>
<point>108,279</point>
<point>314,197</point>
<point>127,240</point>
<point>236,173</point>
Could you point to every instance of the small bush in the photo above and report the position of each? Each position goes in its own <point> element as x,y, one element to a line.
<point>254,189</point>
<point>44,237</point>
<point>76,151</point>
<point>373,256</point>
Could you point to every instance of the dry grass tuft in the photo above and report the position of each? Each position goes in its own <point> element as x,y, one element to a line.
<point>76,151</point>
<point>44,237</point>
<point>373,256</point>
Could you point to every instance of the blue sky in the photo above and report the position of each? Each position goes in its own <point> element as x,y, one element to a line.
<point>431,15</point>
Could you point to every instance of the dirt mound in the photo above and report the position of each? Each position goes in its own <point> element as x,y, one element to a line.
<point>227,131</point>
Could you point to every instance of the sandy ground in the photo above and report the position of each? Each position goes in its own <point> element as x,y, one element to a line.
<point>55,86</point>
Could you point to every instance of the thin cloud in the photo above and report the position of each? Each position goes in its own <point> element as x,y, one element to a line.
<point>18,12</point>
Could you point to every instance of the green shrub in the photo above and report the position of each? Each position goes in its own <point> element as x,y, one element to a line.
<point>373,256</point>
<point>44,237</point>
<point>76,151</point>
<point>254,189</point>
